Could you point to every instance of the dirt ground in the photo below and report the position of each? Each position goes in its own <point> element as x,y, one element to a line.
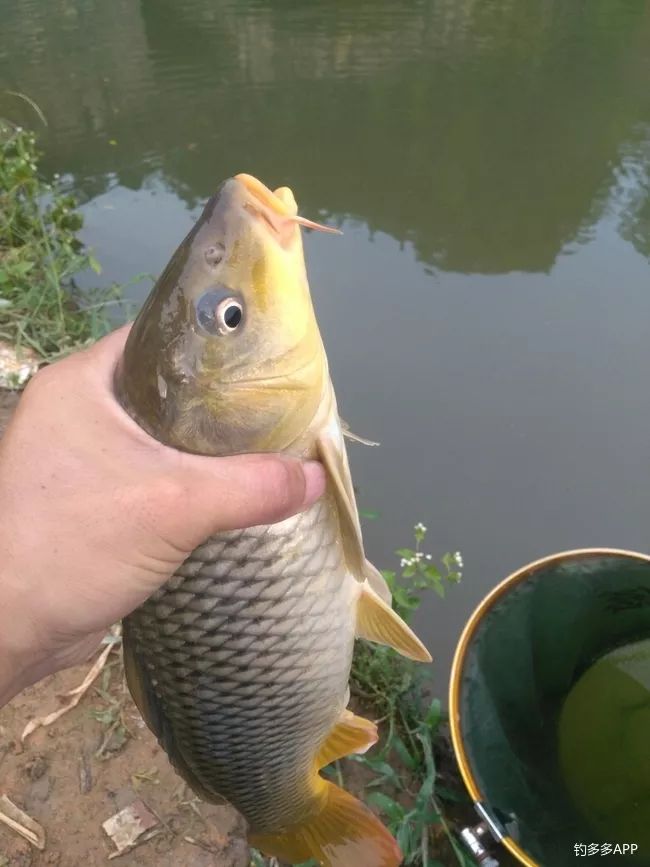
<point>91,763</point>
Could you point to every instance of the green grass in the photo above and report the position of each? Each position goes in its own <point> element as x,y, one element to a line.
<point>403,782</point>
<point>40,255</point>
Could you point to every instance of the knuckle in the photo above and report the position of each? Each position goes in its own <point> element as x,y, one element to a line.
<point>286,483</point>
<point>53,379</point>
<point>44,378</point>
<point>170,492</point>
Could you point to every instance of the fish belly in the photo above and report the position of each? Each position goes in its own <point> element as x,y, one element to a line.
<point>244,658</point>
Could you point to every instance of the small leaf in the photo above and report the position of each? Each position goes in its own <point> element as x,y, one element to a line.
<point>448,794</point>
<point>386,805</point>
<point>385,771</point>
<point>405,838</point>
<point>434,714</point>
<point>404,755</point>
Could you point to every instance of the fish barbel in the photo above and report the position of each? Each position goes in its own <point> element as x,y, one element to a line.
<point>240,663</point>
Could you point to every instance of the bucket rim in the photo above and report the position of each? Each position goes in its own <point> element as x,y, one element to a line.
<point>460,653</point>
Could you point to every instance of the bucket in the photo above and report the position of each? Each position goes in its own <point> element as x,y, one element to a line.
<point>550,711</point>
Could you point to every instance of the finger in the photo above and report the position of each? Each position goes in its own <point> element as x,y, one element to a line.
<point>247,490</point>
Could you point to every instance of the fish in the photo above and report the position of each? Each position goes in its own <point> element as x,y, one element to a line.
<point>240,663</point>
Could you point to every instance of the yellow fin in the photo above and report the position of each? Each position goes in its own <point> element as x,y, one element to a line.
<point>377,621</point>
<point>334,458</point>
<point>345,833</point>
<point>378,583</point>
<point>351,734</point>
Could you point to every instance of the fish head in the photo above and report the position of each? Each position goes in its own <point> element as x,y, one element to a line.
<point>226,355</point>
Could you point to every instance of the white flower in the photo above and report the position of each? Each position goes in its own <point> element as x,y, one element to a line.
<point>56,176</point>
<point>428,556</point>
<point>459,559</point>
<point>420,527</point>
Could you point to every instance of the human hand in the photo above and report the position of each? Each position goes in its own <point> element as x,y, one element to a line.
<point>96,515</point>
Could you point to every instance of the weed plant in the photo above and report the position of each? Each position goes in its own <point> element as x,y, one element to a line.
<point>40,254</point>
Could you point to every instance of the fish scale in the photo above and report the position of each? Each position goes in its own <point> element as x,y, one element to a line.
<point>257,659</point>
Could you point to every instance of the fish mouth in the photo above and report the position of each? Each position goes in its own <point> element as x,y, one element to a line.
<point>277,209</point>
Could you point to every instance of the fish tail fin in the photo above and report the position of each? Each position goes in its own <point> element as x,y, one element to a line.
<point>345,833</point>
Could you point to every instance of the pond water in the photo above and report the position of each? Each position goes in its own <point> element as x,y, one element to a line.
<point>487,310</point>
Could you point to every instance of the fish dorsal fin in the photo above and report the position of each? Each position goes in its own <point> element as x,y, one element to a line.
<point>376,621</point>
<point>351,734</point>
<point>331,452</point>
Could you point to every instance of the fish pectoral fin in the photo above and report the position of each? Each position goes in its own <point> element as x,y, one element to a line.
<point>378,583</point>
<point>376,621</point>
<point>334,459</point>
<point>345,833</point>
<point>351,734</point>
<point>355,438</point>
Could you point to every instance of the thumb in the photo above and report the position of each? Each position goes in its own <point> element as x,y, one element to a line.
<point>244,491</point>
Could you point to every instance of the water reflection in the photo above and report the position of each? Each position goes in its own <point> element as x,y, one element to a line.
<point>483,133</point>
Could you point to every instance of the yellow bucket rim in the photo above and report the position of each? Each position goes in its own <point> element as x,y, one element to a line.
<point>458,664</point>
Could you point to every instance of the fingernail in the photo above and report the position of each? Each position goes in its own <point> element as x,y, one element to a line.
<point>314,481</point>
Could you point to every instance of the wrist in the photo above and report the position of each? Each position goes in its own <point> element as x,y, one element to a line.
<point>12,680</point>
<point>18,655</point>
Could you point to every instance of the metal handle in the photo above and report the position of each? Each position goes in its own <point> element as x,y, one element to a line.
<point>473,838</point>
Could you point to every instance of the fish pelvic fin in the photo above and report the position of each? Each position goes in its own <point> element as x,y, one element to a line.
<point>345,833</point>
<point>351,734</point>
<point>376,621</point>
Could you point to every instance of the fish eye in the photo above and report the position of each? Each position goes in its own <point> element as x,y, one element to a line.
<point>219,312</point>
<point>229,315</point>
